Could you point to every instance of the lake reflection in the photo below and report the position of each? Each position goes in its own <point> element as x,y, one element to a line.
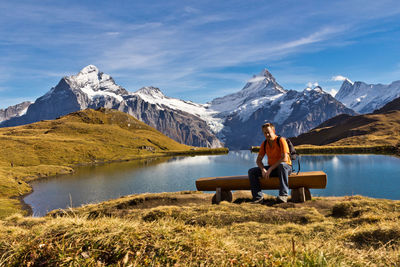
<point>369,175</point>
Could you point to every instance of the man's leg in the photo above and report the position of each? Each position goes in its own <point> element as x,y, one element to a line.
<point>283,171</point>
<point>254,177</point>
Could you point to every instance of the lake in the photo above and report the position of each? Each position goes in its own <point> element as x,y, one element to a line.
<point>368,175</point>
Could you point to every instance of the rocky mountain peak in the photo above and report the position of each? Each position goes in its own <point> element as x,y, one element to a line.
<point>88,76</point>
<point>316,89</point>
<point>365,98</point>
<point>267,75</point>
<point>150,92</point>
<point>14,111</point>
<point>89,69</point>
<point>93,82</point>
<point>263,84</point>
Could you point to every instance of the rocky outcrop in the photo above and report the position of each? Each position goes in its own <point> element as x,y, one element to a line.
<point>14,111</point>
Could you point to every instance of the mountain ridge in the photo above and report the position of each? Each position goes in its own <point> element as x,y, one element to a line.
<point>232,120</point>
<point>382,127</point>
<point>365,98</point>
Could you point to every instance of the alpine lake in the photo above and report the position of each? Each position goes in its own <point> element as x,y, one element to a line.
<point>376,176</point>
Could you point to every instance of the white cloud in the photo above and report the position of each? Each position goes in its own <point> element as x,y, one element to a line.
<point>177,47</point>
<point>333,92</point>
<point>339,78</point>
<point>312,84</point>
<point>191,10</point>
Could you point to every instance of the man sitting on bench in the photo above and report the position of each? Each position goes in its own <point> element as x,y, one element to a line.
<point>279,165</point>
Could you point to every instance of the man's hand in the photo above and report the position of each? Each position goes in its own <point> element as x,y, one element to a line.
<point>268,173</point>
<point>265,173</point>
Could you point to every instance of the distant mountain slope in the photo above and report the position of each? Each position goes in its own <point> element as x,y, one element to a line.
<point>392,105</point>
<point>361,130</point>
<point>14,111</point>
<point>82,136</point>
<point>260,90</point>
<point>365,98</point>
<point>233,120</point>
<point>91,88</point>
<point>292,113</point>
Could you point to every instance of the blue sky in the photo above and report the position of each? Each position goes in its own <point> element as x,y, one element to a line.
<point>196,50</point>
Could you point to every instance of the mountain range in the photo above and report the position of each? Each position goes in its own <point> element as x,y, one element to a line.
<point>233,120</point>
<point>365,98</point>
<point>14,111</point>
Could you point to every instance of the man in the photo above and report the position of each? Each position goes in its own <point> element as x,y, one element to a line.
<point>279,165</point>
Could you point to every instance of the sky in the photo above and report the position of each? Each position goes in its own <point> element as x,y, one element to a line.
<point>197,50</point>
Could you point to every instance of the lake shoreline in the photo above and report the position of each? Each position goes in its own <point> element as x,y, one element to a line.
<point>193,152</point>
<point>311,149</point>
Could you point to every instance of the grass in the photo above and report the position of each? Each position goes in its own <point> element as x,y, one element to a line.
<point>372,131</point>
<point>180,229</point>
<point>184,229</point>
<point>49,148</point>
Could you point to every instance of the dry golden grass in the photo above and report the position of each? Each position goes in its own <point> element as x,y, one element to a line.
<point>54,147</point>
<point>368,130</point>
<point>184,229</point>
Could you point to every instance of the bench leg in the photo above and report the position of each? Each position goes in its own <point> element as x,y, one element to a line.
<point>221,195</point>
<point>218,195</point>
<point>301,194</point>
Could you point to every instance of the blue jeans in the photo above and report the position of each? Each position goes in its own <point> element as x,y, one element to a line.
<point>282,171</point>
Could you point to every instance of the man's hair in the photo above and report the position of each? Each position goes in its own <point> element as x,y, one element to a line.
<point>268,124</point>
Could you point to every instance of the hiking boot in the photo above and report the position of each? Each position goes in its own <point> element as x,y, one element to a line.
<point>281,199</point>
<point>258,201</point>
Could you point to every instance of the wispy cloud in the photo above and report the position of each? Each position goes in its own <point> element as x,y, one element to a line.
<point>203,46</point>
<point>339,78</point>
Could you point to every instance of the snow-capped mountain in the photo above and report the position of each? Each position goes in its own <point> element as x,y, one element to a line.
<point>234,119</point>
<point>365,98</point>
<point>14,111</point>
<point>155,96</point>
<point>292,113</point>
<point>260,90</point>
<point>91,88</point>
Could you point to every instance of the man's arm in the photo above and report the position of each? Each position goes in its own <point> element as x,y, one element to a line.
<point>261,165</point>
<point>284,158</point>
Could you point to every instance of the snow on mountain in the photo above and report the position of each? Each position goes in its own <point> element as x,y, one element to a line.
<point>154,95</point>
<point>232,119</point>
<point>260,90</point>
<point>96,84</point>
<point>183,121</point>
<point>14,111</point>
<point>365,98</point>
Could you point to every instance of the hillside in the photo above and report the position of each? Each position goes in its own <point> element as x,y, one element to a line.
<point>185,229</point>
<point>53,147</point>
<point>392,105</point>
<point>363,130</point>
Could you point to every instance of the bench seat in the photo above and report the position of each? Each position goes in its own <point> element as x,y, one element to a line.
<point>303,181</point>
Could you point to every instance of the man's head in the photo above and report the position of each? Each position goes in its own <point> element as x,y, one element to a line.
<point>268,130</point>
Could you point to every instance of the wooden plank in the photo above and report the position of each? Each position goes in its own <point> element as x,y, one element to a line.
<point>315,179</point>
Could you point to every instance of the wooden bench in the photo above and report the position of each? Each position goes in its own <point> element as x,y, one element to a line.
<point>299,183</point>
